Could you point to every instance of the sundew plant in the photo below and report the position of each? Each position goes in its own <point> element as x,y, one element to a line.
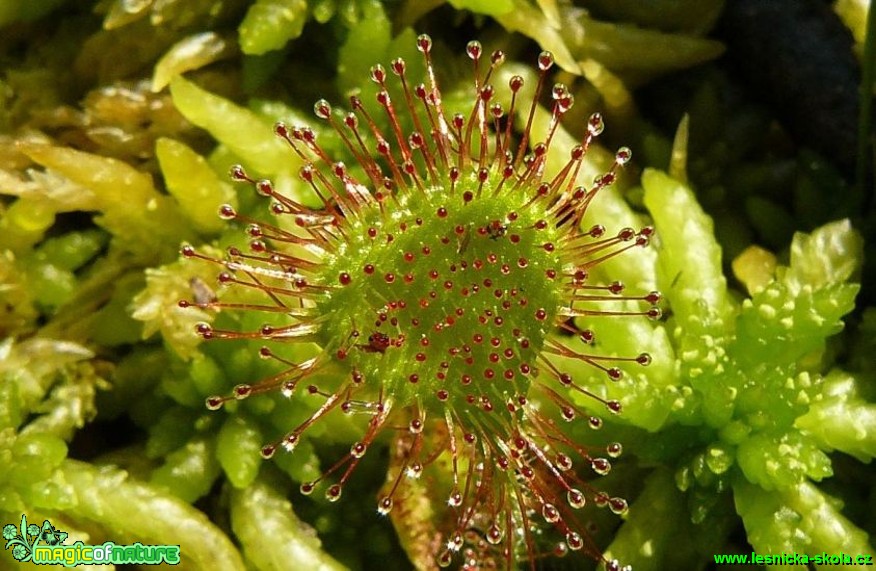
<point>348,284</point>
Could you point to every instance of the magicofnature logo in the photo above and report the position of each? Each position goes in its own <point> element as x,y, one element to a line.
<point>45,546</point>
<point>25,539</point>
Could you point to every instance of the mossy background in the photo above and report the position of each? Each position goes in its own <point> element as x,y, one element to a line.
<point>753,429</point>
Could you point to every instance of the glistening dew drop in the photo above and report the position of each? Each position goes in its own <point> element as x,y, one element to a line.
<point>437,272</point>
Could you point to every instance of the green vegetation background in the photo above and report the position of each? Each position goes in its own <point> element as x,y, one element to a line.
<point>753,429</point>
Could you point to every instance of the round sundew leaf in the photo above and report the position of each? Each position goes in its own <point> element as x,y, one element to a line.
<point>434,279</point>
<point>449,295</point>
